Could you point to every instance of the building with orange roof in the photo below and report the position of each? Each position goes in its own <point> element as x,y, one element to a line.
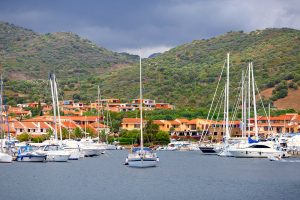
<point>132,123</point>
<point>32,128</point>
<point>286,123</point>
<point>164,106</point>
<point>164,125</point>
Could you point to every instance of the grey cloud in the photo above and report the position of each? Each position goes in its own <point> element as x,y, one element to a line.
<point>132,24</point>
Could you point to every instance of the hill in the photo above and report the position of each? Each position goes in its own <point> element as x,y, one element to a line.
<point>187,75</point>
<point>184,76</point>
<point>26,58</point>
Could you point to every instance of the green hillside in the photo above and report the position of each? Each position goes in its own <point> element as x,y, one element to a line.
<point>187,75</point>
<point>26,58</point>
<point>184,76</point>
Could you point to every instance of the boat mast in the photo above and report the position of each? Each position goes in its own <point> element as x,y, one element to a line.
<point>98,113</point>
<point>227,100</point>
<point>245,106</point>
<point>243,132</point>
<point>53,107</point>
<point>269,122</point>
<point>254,103</point>
<point>249,101</point>
<point>141,106</point>
<point>57,104</point>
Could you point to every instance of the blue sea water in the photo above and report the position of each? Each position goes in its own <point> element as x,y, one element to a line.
<point>179,175</point>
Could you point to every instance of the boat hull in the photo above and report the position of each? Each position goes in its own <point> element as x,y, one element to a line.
<point>90,152</point>
<point>31,158</point>
<point>57,158</point>
<point>142,163</point>
<point>209,150</point>
<point>5,158</point>
<point>255,154</point>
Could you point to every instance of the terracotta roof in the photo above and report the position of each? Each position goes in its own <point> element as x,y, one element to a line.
<point>29,125</point>
<point>39,119</point>
<point>158,122</point>
<point>80,118</point>
<point>193,121</point>
<point>96,124</point>
<point>173,122</point>
<point>42,124</point>
<point>183,120</point>
<point>279,118</point>
<point>69,124</point>
<point>132,121</point>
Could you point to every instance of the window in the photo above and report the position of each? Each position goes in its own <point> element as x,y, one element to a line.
<point>126,125</point>
<point>21,130</point>
<point>137,126</point>
<point>215,133</point>
<point>42,130</point>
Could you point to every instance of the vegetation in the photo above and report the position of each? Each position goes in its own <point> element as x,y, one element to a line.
<point>24,137</point>
<point>184,76</point>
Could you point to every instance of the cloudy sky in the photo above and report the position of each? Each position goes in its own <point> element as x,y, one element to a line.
<point>153,25</point>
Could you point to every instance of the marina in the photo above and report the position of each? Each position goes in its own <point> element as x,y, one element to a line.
<point>179,175</point>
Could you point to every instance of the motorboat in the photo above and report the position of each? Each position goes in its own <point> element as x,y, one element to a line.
<point>210,149</point>
<point>55,153</point>
<point>90,148</point>
<point>29,154</point>
<point>73,148</point>
<point>258,150</point>
<point>142,158</point>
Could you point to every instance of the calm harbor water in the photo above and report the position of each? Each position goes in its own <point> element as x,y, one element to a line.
<point>179,175</point>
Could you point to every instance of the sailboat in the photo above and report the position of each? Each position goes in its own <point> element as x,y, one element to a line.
<point>225,151</point>
<point>4,157</point>
<point>54,151</point>
<point>141,157</point>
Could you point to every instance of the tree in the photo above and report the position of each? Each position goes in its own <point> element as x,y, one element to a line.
<point>151,128</point>
<point>162,137</point>
<point>77,132</point>
<point>24,137</point>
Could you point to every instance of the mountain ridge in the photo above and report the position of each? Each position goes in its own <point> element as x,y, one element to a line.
<point>184,76</point>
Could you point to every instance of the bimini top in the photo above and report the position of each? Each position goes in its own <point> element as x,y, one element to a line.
<point>135,149</point>
<point>250,140</point>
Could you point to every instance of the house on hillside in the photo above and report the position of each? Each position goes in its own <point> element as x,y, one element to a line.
<point>132,123</point>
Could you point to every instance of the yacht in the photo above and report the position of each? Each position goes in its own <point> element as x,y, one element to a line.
<point>90,148</point>
<point>55,153</point>
<point>258,150</point>
<point>30,154</point>
<point>73,148</point>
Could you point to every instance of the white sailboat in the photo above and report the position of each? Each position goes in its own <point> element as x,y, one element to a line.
<point>224,151</point>
<point>55,151</point>
<point>141,157</point>
<point>4,156</point>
